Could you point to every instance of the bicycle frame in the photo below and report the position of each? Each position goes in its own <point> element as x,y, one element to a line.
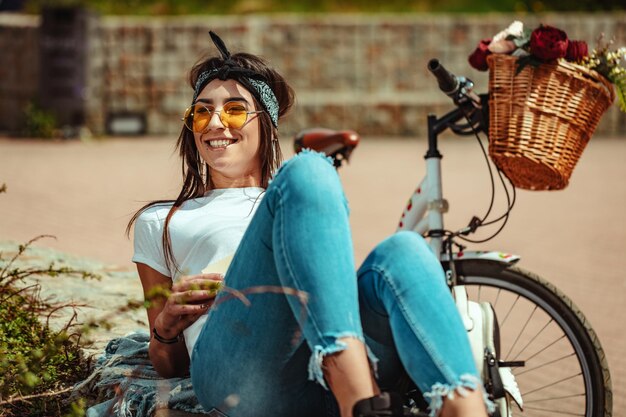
<point>424,211</point>
<point>426,207</point>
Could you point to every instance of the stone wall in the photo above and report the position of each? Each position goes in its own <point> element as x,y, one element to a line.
<point>363,72</point>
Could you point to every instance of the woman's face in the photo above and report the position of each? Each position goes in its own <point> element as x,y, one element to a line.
<point>232,154</point>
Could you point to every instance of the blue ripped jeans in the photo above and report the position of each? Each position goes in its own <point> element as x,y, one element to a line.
<point>261,355</point>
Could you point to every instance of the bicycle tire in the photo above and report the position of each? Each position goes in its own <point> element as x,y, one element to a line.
<point>514,287</point>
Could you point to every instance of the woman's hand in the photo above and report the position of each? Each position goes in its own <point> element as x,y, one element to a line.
<point>189,298</point>
<point>171,309</point>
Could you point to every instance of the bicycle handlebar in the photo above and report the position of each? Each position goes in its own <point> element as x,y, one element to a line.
<point>459,89</point>
<point>448,82</point>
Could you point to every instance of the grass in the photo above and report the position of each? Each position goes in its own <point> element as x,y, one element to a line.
<point>38,363</point>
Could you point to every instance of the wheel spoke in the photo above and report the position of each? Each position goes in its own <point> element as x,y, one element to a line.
<point>524,394</point>
<point>562,397</point>
<point>532,339</point>
<point>544,364</point>
<point>519,334</point>
<point>495,303</point>
<point>567,413</point>
<point>510,309</point>
<point>545,347</point>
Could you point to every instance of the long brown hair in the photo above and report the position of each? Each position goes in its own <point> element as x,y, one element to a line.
<point>192,164</point>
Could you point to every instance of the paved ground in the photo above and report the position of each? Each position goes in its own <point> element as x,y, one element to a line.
<point>85,193</point>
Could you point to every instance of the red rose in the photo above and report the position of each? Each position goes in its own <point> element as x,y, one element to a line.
<point>548,43</point>
<point>478,58</point>
<point>576,51</point>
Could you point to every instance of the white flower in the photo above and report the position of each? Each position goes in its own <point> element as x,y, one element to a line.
<point>515,29</point>
<point>502,47</point>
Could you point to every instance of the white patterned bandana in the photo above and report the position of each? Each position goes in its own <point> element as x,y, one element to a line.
<point>250,79</point>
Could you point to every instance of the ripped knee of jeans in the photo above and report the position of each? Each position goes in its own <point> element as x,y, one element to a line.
<point>303,158</point>
<point>316,362</point>
<point>465,384</point>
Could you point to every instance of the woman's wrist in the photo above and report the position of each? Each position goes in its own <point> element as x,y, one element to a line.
<point>165,340</point>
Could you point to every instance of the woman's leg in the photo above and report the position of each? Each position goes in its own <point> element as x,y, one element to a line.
<point>409,316</point>
<point>295,268</point>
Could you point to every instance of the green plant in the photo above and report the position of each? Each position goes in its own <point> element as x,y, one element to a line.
<point>160,7</point>
<point>39,123</point>
<point>38,364</point>
<point>609,63</point>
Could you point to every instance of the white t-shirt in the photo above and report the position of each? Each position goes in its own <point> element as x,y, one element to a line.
<point>204,232</point>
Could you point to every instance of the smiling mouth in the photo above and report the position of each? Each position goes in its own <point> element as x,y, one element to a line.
<point>219,143</point>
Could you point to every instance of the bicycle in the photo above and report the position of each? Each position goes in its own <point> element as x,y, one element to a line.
<point>544,343</point>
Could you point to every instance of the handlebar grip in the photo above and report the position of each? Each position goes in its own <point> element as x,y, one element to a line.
<point>448,82</point>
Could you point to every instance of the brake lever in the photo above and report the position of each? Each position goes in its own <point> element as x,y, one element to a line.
<point>466,93</point>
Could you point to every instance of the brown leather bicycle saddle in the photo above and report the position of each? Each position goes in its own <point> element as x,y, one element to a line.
<point>337,144</point>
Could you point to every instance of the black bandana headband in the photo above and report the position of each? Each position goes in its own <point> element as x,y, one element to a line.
<point>250,79</point>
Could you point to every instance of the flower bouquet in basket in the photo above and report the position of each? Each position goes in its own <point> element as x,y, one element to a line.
<point>547,94</point>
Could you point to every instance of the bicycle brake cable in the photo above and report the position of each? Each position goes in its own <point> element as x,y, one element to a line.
<point>510,201</point>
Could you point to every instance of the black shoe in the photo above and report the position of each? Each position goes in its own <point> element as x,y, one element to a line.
<point>386,404</point>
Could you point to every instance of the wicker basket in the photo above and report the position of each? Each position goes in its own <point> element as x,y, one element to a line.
<point>541,119</point>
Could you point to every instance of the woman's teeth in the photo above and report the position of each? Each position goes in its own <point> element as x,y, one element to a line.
<point>220,143</point>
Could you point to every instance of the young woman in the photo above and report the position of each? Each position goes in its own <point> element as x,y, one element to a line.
<point>294,330</point>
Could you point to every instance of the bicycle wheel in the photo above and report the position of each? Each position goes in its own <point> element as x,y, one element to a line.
<point>565,370</point>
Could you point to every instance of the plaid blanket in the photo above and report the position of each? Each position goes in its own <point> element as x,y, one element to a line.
<point>125,384</point>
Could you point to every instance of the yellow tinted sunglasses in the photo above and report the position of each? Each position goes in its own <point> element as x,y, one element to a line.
<point>233,116</point>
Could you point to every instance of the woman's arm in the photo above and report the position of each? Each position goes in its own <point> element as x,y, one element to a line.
<point>173,308</point>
